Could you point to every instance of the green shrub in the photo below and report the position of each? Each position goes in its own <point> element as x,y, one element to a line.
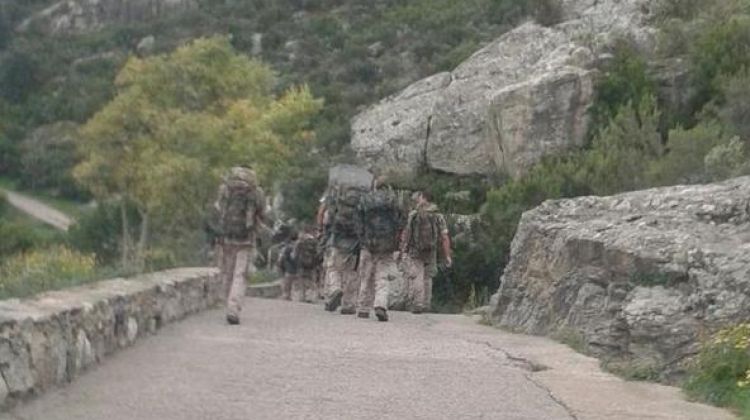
<point>727,160</point>
<point>684,162</point>
<point>36,271</point>
<point>720,374</point>
<point>734,110</point>
<point>98,232</point>
<point>625,81</point>
<point>723,50</point>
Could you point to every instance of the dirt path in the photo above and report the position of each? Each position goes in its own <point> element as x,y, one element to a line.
<point>39,210</point>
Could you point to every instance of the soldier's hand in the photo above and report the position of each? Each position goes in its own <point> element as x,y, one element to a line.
<point>449,262</point>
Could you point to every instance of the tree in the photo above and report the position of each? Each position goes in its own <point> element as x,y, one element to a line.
<point>177,123</point>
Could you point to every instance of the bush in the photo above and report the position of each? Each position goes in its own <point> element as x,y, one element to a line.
<point>727,160</point>
<point>625,81</point>
<point>735,108</point>
<point>36,271</point>
<point>684,162</point>
<point>723,50</point>
<point>623,150</point>
<point>720,374</point>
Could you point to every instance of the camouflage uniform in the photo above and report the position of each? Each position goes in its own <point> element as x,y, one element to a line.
<point>422,266</point>
<point>288,270</point>
<point>238,253</point>
<point>381,224</point>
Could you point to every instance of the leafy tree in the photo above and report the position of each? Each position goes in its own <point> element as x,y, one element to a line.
<point>177,122</point>
<point>728,160</point>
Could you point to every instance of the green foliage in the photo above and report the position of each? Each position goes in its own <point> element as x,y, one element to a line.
<point>720,374</point>
<point>98,232</point>
<point>625,81</point>
<point>53,268</point>
<point>623,150</point>
<point>734,110</point>
<point>632,370</point>
<point>723,50</point>
<point>179,121</point>
<point>727,160</point>
<point>47,159</point>
<point>572,338</point>
<point>684,162</point>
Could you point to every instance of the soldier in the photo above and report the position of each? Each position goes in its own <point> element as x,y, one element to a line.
<point>426,230</point>
<point>240,206</point>
<point>287,266</point>
<point>382,220</point>
<point>342,282</point>
<point>307,259</point>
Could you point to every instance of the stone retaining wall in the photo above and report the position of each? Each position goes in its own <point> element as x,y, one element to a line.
<point>52,338</point>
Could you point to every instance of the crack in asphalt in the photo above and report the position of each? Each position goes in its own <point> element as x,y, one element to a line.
<point>531,367</point>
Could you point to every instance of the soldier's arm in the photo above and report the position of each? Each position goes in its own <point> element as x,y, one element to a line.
<point>445,240</point>
<point>405,233</point>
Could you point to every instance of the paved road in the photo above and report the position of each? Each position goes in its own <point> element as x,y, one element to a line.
<point>39,210</point>
<point>294,361</point>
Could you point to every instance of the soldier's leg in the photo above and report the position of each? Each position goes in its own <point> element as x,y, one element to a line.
<point>298,288</point>
<point>286,287</point>
<point>309,285</point>
<point>351,291</point>
<point>228,254</point>
<point>418,286</point>
<point>386,271</point>
<point>367,283</point>
<point>237,289</point>
<point>430,271</point>
<point>335,281</point>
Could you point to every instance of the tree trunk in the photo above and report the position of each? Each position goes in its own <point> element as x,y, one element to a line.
<point>125,241</point>
<point>143,240</point>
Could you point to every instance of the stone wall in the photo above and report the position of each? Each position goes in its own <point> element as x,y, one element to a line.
<point>51,339</point>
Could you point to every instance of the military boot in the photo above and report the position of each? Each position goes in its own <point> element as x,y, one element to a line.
<point>364,315</point>
<point>334,301</point>
<point>233,319</point>
<point>348,311</point>
<point>381,314</point>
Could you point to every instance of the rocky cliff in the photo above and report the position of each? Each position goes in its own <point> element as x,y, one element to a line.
<point>77,16</point>
<point>641,276</point>
<point>523,96</point>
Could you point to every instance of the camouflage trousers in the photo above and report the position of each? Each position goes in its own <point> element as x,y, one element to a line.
<point>341,276</point>
<point>300,287</point>
<point>376,271</point>
<point>236,262</point>
<point>420,272</point>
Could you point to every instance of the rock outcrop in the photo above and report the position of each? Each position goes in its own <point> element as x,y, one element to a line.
<point>521,97</point>
<point>79,16</point>
<point>639,277</point>
<point>52,338</point>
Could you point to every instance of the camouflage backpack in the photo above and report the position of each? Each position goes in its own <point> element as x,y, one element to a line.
<point>383,221</point>
<point>424,233</point>
<point>238,206</point>
<point>346,218</point>
<point>306,252</point>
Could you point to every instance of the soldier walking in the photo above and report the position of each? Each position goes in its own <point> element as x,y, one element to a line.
<point>342,282</point>
<point>240,205</point>
<point>382,220</point>
<point>425,234</point>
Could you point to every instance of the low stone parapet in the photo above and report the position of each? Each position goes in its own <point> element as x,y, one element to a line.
<point>50,339</point>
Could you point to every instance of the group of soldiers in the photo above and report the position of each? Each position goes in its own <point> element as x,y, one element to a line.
<point>365,233</point>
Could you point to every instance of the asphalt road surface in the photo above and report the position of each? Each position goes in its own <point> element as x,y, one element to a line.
<point>295,361</point>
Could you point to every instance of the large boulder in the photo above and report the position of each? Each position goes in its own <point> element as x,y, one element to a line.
<point>80,16</point>
<point>639,277</point>
<point>519,98</point>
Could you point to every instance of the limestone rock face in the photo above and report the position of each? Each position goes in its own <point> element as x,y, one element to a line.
<point>79,16</point>
<point>639,276</point>
<point>519,98</point>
